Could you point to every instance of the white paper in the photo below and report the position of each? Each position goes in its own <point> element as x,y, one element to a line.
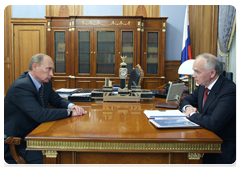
<point>64,90</point>
<point>164,113</point>
<point>81,95</point>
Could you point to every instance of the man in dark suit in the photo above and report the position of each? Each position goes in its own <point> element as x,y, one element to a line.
<point>25,105</point>
<point>218,113</point>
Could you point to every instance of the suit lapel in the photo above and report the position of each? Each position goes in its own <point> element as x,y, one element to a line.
<point>213,94</point>
<point>36,93</point>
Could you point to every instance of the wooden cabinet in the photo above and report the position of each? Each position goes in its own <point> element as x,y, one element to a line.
<point>153,46</point>
<point>86,50</point>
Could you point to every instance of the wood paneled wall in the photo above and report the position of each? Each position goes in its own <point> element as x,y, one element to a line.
<point>141,10</point>
<point>8,71</point>
<point>203,25</point>
<point>171,70</point>
<point>128,10</point>
<point>64,10</point>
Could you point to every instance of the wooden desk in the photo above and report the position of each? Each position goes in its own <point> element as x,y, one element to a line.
<point>113,132</point>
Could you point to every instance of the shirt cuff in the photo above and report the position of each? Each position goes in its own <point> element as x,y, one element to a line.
<point>192,113</point>
<point>70,105</point>
<point>184,108</point>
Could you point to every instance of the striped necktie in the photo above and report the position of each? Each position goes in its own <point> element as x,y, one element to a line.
<point>41,95</point>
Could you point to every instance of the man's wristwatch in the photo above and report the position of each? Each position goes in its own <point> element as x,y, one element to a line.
<point>70,110</point>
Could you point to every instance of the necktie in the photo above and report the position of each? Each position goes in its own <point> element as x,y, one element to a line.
<point>41,95</point>
<point>205,95</point>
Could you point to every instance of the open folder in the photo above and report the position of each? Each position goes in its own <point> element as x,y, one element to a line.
<point>169,119</point>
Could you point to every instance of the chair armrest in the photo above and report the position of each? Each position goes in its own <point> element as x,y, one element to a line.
<point>12,142</point>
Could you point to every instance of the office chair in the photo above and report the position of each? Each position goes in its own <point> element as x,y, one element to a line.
<point>12,142</point>
<point>136,76</point>
<point>229,75</point>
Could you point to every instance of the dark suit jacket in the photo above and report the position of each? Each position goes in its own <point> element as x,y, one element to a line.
<point>219,114</point>
<point>23,111</point>
<point>219,111</point>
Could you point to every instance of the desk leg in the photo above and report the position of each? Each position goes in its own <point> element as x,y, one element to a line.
<point>195,158</point>
<point>50,157</point>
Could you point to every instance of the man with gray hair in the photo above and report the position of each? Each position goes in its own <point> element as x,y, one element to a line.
<point>25,105</point>
<point>213,106</point>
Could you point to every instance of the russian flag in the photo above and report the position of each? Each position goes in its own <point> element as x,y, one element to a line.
<point>186,45</point>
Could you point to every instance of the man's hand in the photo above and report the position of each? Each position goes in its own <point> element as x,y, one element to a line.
<point>189,110</point>
<point>77,110</point>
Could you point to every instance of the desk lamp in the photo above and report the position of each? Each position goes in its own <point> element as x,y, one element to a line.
<point>186,69</point>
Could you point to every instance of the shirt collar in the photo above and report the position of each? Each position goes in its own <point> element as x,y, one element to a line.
<point>212,84</point>
<point>35,82</point>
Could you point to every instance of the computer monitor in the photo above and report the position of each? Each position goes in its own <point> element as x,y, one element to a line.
<point>175,91</point>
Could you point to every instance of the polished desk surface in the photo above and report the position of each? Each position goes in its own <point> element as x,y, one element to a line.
<point>119,126</point>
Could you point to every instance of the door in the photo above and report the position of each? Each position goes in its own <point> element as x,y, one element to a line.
<point>28,40</point>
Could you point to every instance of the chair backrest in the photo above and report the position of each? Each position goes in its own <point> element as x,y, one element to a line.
<point>229,75</point>
<point>136,76</point>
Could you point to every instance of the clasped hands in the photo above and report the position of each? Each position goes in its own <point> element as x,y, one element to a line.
<point>77,110</point>
<point>190,110</point>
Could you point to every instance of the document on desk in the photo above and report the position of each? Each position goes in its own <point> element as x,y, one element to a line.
<point>63,92</point>
<point>81,95</point>
<point>173,122</point>
<point>151,114</point>
<point>169,119</point>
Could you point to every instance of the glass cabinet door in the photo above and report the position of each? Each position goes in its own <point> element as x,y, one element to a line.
<point>152,52</point>
<point>84,51</point>
<point>105,52</point>
<point>127,48</point>
<point>60,49</point>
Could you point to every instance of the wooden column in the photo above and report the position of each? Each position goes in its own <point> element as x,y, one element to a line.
<point>203,25</point>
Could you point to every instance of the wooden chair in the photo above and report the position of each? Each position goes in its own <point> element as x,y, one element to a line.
<point>12,142</point>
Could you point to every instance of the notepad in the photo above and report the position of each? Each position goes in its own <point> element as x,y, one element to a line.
<point>151,114</point>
